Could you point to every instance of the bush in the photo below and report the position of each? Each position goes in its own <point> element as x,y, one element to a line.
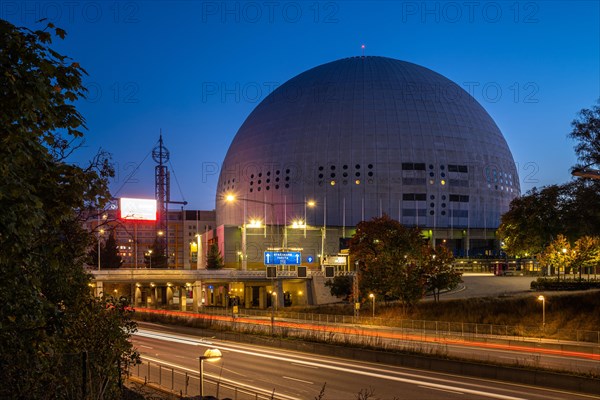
<point>569,284</point>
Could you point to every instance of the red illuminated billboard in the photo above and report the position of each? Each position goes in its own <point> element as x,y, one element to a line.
<point>137,209</point>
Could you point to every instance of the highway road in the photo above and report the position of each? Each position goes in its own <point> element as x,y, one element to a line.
<point>294,375</point>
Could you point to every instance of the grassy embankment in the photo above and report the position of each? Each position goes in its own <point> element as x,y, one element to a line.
<point>573,311</point>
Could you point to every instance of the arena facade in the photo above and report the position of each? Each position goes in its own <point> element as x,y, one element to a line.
<point>355,139</point>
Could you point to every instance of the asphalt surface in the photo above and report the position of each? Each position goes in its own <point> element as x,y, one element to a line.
<point>293,375</point>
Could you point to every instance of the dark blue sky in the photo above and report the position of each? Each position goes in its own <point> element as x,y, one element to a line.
<point>197,69</point>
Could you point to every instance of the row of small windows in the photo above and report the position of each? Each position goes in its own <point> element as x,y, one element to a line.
<point>459,198</point>
<point>422,212</point>
<point>422,197</point>
<point>421,167</point>
<point>344,167</point>
<point>458,168</point>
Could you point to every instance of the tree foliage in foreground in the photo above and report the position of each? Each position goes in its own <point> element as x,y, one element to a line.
<point>395,263</point>
<point>48,318</point>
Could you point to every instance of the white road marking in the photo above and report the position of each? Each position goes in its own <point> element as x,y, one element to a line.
<point>441,390</point>
<point>305,366</point>
<point>298,380</point>
<point>147,347</point>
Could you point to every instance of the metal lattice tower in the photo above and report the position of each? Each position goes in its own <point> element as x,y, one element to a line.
<point>160,154</point>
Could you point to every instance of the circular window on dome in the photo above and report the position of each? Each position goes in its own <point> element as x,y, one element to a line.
<point>268,180</point>
<point>431,212</point>
<point>251,183</point>
<point>276,179</point>
<point>277,172</point>
<point>357,174</point>
<point>431,204</point>
<point>332,183</point>
<point>258,189</point>
<point>369,180</point>
<point>432,197</point>
<point>370,173</point>
<point>443,205</point>
<point>357,166</point>
<point>251,190</point>
<point>370,166</point>
<point>276,186</point>
<point>443,212</point>
<point>320,176</point>
<point>252,176</point>
<point>345,174</point>
<point>442,167</point>
<point>357,182</point>
<point>443,175</point>
<point>332,167</point>
<point>268,187</point>
<point>345,166</point>
<point>332,175</point>
<point>443,197</point>
<point>260,174</point>
<point>287,171</point>
<point>259,181</point>
<point>430,166</point>
<point>321,168</point>
<point>287,178</point>
<point>287,185</point>
<point>431,174</point>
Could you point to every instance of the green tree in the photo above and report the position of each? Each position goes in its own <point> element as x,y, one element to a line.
<point>586,131</point>
<point>341,286</point>
<point>557,254</point>
<point>109,254</point>
<point>533,221</point>
<point>439,271</point>
<point>214,260</point>
<point>156,256</point>
<point>44,289</point>
<point>586,254</point>
<point>387,254</point>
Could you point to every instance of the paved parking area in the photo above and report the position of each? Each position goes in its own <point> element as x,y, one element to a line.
<point>479,285</point>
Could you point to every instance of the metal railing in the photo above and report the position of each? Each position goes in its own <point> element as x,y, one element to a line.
<point>446,328</point>
<point>183,382</point>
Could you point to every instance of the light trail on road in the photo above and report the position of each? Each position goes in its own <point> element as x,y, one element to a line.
<point>449,385</point>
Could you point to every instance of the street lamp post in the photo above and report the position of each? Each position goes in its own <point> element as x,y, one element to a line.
<point>372,297</point>
<point>543,300</point>
<point>150,257</point>
<point>210,355</point>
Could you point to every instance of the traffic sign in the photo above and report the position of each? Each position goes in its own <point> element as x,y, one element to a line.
<point>282,258</point>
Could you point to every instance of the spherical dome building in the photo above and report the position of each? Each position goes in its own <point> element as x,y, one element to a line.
<point>364,136</point>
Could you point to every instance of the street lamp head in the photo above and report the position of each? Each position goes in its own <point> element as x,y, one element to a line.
<point>311,203</point>
<point>564,250</point>
<point>211,355</point>
<point>371,295</point>
<point>541,298</point>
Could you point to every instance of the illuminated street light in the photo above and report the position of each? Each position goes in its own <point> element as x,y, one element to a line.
<point>210,355</point>
<point>543,300</point>
<point>150,257</point>
<point>372,297</point>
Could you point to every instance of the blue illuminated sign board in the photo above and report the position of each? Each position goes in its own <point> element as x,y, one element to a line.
<point>282,258</point>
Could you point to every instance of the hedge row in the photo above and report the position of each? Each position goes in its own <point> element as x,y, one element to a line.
<point>569,284</point>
